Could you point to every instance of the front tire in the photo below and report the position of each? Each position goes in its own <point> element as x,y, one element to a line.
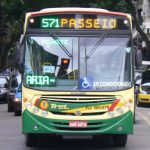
<point>10,108</point>
<point>17,113</point>
<point>120,140</point>
<point>31,140</point>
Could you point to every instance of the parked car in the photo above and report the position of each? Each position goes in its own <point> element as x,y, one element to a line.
<point>3,89</point>
<point>144,89</point>
<point>14,81</point>
<point>17,102</point>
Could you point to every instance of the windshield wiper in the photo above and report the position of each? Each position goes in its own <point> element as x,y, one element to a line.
<point>95,46</point>
<point>60,44</point>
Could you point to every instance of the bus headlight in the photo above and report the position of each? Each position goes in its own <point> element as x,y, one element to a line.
<point>35,110</point>
<point>111,114</point>
<point>28,105</point>
<point>120,110</point>
<point>44,113</point>
<point>127,106</point>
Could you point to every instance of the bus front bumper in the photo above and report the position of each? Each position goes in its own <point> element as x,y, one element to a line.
<point>32,123</point>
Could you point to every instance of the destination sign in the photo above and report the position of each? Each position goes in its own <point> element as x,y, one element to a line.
<point>40,80</point>
<point>78,21</point>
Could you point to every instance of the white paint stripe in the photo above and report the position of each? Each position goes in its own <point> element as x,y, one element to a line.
<point>144,117</point>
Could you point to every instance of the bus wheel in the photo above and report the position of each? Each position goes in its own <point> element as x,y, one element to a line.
<point>17,113</point>
<point>31,140</point>
<point>120,140</point>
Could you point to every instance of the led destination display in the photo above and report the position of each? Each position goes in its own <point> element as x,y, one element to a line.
<point>40,80</point>
<point>78,21</point>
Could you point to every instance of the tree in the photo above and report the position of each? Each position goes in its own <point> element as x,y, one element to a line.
<point>138,28</point>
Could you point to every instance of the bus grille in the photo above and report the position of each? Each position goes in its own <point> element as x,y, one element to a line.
<point>83,114</point>
<point>79,98</point>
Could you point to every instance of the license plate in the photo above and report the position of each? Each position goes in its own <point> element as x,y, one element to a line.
<point>78,124</point>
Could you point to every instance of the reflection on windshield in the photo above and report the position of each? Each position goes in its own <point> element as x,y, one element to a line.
<point>109,65</point>
<point>95,46</point>
<point>78,63</point>
<point>59,42</point>
<point>47,65</point>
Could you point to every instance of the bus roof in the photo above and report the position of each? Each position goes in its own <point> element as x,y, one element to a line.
<point>77,9</point>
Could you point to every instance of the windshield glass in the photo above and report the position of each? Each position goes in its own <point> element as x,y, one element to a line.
<point>78,63</point>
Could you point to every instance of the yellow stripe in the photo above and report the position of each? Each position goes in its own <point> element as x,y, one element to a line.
<point>97,108</point>
<point>100,108</point>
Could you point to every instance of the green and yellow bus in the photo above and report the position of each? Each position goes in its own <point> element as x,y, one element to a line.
<point>77,74</point>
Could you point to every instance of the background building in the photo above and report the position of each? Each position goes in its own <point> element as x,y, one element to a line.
<point>143,14</point>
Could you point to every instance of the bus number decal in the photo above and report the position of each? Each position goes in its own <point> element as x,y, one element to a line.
<point>50,22</point>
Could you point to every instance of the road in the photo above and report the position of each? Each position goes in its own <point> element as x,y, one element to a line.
<point>11,137</point>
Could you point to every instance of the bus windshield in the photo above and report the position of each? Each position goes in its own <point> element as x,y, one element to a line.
<point>100,63</point>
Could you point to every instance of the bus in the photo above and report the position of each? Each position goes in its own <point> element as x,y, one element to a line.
<point>78,74</point>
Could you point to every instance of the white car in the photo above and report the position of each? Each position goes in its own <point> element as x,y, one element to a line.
<point>3,89</point>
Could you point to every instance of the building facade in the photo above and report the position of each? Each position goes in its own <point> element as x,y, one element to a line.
<point>143,14</point>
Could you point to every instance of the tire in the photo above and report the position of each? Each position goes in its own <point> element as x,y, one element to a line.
<point>10,109</point>
<point>120,140</point>
<point>17,113</point>
<point>31,140</point>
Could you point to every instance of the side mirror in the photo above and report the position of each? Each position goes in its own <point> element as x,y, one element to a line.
<point>138,80</point>
<point>21,39</point>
